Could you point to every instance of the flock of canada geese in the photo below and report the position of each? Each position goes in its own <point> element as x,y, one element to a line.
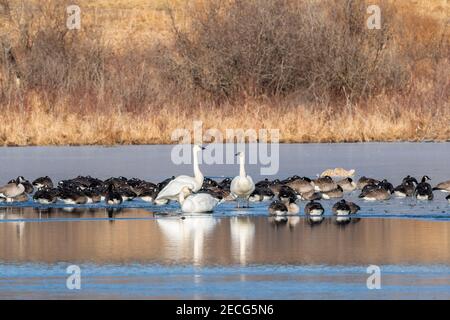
<point>198,194</point>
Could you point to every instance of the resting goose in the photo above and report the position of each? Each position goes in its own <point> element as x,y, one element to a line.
<point>314,209</point>
<point>443,186</point>
<point>12,189</point>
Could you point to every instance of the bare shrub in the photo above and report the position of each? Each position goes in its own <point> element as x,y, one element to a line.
<point>274,47</point>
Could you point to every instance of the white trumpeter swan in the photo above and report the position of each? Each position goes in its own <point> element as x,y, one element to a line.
<point>196,203</point>
<point>174,187</point>
<point>242,186</point>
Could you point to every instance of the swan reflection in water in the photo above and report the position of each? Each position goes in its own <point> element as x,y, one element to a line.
<point>186,235</point>
<point>242,235</point>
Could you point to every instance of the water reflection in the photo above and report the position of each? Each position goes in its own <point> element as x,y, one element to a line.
<point>242,235</point>
<point>209,240</point>
<point>185,236</point>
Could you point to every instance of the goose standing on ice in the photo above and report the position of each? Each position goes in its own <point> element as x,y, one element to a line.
<point>196,203</point>
<point>423,190</point>
<point>172,190</point>
<point>242,186</point>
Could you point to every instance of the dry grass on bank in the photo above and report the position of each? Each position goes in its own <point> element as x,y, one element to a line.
<point>385,120</point>
<point>136,72</point>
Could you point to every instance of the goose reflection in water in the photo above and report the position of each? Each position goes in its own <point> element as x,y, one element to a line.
<point>345,220</point>
<point>15,215</point>
<point>290,221</point>
<point>315,220</point>
<point>186,235</point>
<point>242,235</point>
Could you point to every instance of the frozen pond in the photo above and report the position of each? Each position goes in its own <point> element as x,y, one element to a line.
<point>380,160</point>
<point>146,251</point>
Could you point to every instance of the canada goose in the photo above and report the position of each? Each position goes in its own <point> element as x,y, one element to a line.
<point>443,186</point>
<point>119,182</point>
<point>275,186</point>
<point>379,193</point>
<point>12,189</point>
<point>45,196</point>
<point>72,196</point>
<point>314,209</point>
<point>347,184</point>
<point>43,182</point>
<point>336,193</point>
<point>215,192</point>
<point>262,183</point>
<point>149,194</point>
<point>324,184</point>
<point>423,190</point>
<point>19,198</point>
<point>208,182</point>
<point>387,185</point>
<point>301,185</point>
<point>140,187</point>
<point>261,193</point>
<point>219,193</point>
<point>93,195</point>
<point>291,206</point>
<point>27,185</point>
<point>410,179</point>
<point>369,187</point>
<point>112,196</point>
<point>127,194</point>
<point>363,181</point>
<point>196,203</point>
<point>174,187</point>
<point>287,193</point>
<point>242,186</point>
<point>354,208</point>
<point>277,208</point>
<point>225,183</point>
<point>311,195</point>
<point>406,189</point>
<point>341,208</point>
<point>448,198</point>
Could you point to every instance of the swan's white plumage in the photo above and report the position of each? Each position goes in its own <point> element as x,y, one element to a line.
<point>174,187</point>
<point>242,186</point>
<point>199,203</point>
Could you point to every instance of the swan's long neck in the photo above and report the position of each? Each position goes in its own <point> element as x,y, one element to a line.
<point>242,166</point>
<point>197,173</point>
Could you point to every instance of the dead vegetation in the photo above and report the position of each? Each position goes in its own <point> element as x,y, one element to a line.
<point>311,69</point>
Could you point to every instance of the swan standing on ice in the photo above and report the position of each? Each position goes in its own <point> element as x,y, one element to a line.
<point>242,186</point>
<point>196,203</point>
<point>174,187</point>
